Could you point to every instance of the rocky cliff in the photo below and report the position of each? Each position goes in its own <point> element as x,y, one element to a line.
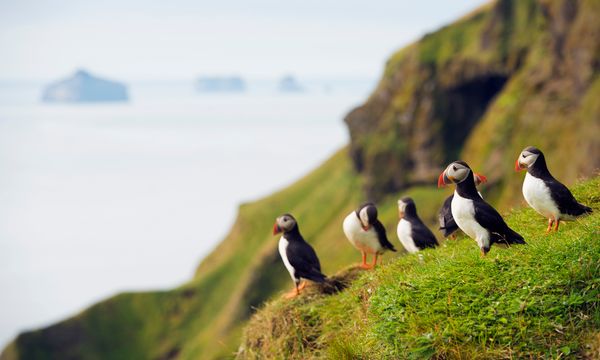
<point>510,74</point>
<point>83,87</point>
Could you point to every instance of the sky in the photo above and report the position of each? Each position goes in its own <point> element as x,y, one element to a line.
<point>169,40</point>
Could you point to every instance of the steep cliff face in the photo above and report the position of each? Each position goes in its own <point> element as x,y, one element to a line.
<point>436,95</point>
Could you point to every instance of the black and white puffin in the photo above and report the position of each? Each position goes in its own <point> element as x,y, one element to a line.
<point>298,256</point>
<point>544,193</point>
<point>447,224</point>
<point>366,233</point>
<point>412,232</point>
<point>476,218</point>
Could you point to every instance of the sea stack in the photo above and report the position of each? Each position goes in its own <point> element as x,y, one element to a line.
<point>83,87</point>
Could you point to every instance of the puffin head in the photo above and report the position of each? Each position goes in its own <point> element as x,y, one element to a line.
<point>527,158</point>
<point>404,204</point>
<point>455,173</point>
<point>284,223</point>
<point>367,215</point>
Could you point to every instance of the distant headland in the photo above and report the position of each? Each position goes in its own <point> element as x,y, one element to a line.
<point>83,87</point>
<point>220,84</point>
<point>289,84</point>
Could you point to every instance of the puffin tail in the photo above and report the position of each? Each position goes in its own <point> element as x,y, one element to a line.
<point>316,277</point>
<point>447,231</point>
<point>513,237</point>
<point>391,247</point>
<point>585,209</point>
<point>332,286</point>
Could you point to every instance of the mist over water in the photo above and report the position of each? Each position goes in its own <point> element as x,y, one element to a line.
<point>96,199</point>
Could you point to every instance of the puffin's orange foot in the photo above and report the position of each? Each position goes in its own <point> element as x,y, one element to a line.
<point>374,264</point>
<point>292,294</point>
<point>550,223</point>
<point>302,285</point>
<point>366,266</point>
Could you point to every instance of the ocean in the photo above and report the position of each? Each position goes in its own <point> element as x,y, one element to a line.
<point>101,198</point>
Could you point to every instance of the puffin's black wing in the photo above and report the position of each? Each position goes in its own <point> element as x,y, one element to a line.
<point>562,196</point>
<point>382,236</point>
<point>490,219</point>
<point>447,223</point>
<point>305,261</point>
<point>422,236</point>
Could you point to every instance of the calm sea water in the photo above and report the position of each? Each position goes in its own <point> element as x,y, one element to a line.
<point>97,199</point>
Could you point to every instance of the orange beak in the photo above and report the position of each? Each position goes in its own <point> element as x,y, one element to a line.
<point>518,166</point>
<point>276,229</point>
<point>441,182</point>
<point>482,178</point>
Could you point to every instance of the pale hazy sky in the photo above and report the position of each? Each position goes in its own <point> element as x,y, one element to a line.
<point>135,39</point>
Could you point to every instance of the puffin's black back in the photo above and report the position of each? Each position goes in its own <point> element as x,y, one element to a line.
<point>382,235</point>
<point>303,257</point>
<point>377,225</point>
<point>491,220</point>
<point>486,215</point>
<point>421,235</point>
<point>562,196</point>
<point>447,223</point>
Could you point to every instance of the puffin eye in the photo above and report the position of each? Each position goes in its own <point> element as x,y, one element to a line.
<point>454,167</point>
<point>523,155</point>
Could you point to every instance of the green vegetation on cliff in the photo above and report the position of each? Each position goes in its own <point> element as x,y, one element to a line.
<point>203,318</point>
<point>532,301</point>
<point>510,74</point>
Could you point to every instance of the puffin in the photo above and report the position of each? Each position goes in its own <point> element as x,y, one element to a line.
<point>546,195</point>
<point>366,233</point>
<point>412,232</point>
<point>447,224</point>
<point>475,217</point>
<point>298,256</point>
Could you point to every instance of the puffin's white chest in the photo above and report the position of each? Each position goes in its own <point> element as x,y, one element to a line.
<point>362,240</point>
<point>463,212</point>
<point>405,236</point>
<point>537,195</point>
<point>283,244</point>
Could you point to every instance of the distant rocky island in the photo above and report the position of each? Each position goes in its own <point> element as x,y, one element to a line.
<point>220,84</point>
<point>84,87</point>
<point>289,84</point>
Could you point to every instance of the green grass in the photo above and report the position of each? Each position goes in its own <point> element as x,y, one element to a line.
<point>203,318</point>
<point>538,300</point>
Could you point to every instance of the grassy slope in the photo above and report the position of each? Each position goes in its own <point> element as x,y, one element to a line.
<point>204,317</point>
<point>542,299</point>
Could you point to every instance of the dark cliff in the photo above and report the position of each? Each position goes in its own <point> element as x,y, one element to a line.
<point>471,89</point>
